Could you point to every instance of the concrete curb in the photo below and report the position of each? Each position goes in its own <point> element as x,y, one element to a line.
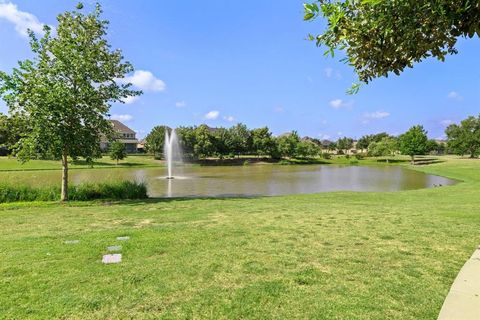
<point>463,300</point>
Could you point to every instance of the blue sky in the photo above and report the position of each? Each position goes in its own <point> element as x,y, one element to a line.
<point>223,62</point>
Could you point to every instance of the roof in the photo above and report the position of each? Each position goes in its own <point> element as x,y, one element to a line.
<point>120,127</point>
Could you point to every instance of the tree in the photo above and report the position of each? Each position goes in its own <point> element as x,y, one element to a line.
<point>385,147</point>
<point>187,139</point>
<point>464,138</point>
<point>414,142</point>
<point>332,146</point>
<point>4,134</point>
<point>380,36</point>
<point>204,146</point>
<point>155,140</point>
<point>262,141</point>
<point>433,147</point>
<point>287,144</point>
<point>222,142</point>
<point>307,149</point>
<point>65,92</point>
<point>364,142</point>
<point>240,139</point>
<point>345,144</point>
<point>117,151</point>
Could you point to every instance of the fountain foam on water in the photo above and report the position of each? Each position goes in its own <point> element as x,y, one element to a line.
<point>172,151</point>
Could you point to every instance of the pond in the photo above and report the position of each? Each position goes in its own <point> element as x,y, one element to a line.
<point>255,180</point>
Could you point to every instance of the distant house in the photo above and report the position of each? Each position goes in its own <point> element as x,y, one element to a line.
<point>124,135</point>
<point>141,146</point>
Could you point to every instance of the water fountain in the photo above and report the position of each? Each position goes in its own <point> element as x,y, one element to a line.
<point>172,151</point>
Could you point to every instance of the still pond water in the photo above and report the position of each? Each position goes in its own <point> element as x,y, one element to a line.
<point>266,180</point>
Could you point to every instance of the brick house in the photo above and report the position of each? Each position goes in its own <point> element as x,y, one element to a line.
<point>124,135</point>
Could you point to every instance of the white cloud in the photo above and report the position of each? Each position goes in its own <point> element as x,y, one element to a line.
<point>122,117</point>
<point>328,72</point>
<point>229,118</point>
<point>279,109</point>
<point>144,80</point>
<point>339,103</point>
<point>20,19</point>
<point>369,116</point>
<point>331,73</point>
<point>131,99</point>
<point>454,95</point>
<point>180,104</point>
<point>446,122</point>
<point>376,115</point>
<point>212,115</point>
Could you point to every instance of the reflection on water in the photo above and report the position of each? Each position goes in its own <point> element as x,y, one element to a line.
<point>248,180</point>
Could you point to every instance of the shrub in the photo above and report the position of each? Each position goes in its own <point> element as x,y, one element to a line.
<point>284,162</point>
<point>326,155</point>
<point>83,192</point>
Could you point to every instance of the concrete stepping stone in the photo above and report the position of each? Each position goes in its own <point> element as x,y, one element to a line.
<point>114,248</point>
<point>125,238</point>
<point>112,258</point>
<point>72,242</point>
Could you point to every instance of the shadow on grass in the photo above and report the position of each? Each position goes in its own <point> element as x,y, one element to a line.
<point>178,199</point>
<point>108,164</point>
<point>418,161</point>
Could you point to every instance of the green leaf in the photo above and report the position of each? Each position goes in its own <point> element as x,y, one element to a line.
<point>308,16</point>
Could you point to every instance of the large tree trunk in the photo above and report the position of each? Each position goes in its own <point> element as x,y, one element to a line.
<point>64,195</point>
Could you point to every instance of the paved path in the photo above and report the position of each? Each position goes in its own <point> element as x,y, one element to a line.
<point>463,300</point>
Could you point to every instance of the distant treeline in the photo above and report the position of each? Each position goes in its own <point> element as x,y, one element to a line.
<point>203,141</point>
<point>200,142</point>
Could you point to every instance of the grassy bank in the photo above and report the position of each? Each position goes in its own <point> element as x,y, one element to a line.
<point>340,255</point>
<point>122,190</point>
<point>132,161</point>
<point>146,161</point>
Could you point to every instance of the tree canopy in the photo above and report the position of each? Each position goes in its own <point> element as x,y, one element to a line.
<point>464,138</point>
<point>345,144</point>
<point>383,36</point>
<point>155,140</point>
<point>65,91</point>
<point>413,142</point>
<point>365,141</point>
<point>287,144</point>
<point>117,151</point>
<point>385,147</point>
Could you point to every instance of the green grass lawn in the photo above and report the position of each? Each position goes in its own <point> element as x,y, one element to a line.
<point>12,164</point>
<point>144,160</point>
<point>340,255</point>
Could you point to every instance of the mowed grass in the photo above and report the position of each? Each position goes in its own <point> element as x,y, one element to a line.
<point>337,255</point>
<point>12,163</point>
